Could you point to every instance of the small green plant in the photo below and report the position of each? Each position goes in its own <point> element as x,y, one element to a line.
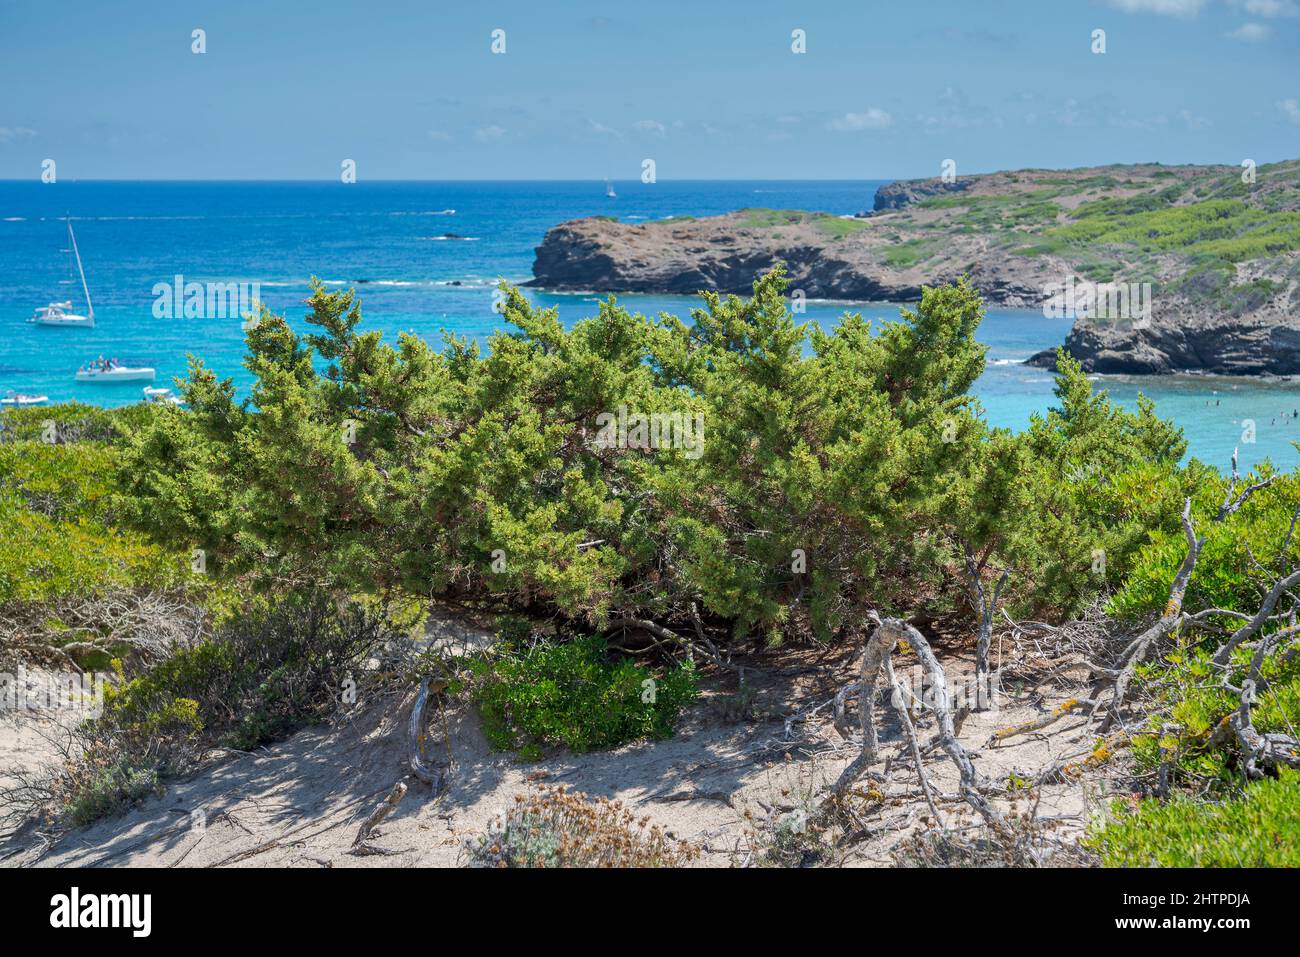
<point>575,694</point>
<point>112,786</point>
<point>1260,828</point>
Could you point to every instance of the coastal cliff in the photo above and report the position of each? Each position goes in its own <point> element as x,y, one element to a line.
<point>1163,268</point>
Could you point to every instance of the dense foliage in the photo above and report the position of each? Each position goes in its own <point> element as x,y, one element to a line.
<point>802,477</point>
<point>575,694</point>
<point>1259,829</point>
<point>60,539</point>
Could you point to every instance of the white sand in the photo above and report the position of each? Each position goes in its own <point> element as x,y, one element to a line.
<point>299,803</point>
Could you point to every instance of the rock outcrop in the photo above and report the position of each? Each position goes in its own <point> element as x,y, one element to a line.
<point>1213,264</point>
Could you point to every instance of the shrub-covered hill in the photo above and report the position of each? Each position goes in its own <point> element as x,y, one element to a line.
<point>634,490</point>
<point>1221,255</point>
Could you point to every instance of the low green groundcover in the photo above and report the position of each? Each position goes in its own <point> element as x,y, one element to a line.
<point>1259,829</point>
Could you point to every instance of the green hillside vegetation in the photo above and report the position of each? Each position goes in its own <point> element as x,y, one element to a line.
<point>832,474</point>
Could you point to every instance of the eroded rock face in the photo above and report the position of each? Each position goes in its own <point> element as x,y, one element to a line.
<point>727,253</point>
<point>1009,232</point>
<point>1184,338</point>
<point>908,191</point>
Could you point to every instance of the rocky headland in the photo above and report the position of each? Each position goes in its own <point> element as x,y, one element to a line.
<point>1164,268</point>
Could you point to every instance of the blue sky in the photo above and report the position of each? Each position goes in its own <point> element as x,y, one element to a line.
<point>585,90</point>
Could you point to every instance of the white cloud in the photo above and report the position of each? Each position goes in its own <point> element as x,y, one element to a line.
<point>1165,8</point>
<point>1269,8</point>
<point>440,135</point>
<point>650,126</point>
<point>1250,32</point>
<point>1291,108</point>
<point>872,119</point>
<point>10,133</point>
<point>489,134</point>
<point>1192,121</point>
<point>600,129</point>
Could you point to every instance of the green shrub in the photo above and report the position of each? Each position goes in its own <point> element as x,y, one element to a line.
<point>57,534</point>
<point>111,786</point>
<point>574,694</point>
<point>279,667</point>
<point>1261,828</point>
<point>264,675</point>
<point>859,448</point>
<point>1237,560</point>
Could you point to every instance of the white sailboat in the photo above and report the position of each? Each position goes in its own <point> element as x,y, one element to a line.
<point>60,313</point>
<point>609,190</point>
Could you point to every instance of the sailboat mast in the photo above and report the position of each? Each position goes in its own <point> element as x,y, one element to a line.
<point>90,310</point>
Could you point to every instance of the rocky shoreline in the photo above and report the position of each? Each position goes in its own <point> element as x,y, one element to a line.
<point>1218,261</point>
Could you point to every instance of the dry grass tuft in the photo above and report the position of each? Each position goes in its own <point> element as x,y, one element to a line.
<point>554,827</point>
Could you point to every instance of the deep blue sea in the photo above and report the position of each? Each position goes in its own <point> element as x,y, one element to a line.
<point>387,239</point>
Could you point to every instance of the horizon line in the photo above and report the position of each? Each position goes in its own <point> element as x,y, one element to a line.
<point>632,179</point>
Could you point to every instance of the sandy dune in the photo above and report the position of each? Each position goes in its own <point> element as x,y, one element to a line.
<point>300,802</point>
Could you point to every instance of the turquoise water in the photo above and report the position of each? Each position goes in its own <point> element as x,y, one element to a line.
<point>388,239</point>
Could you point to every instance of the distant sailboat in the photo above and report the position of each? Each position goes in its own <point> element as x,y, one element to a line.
<point>609,190</point>
<point>60,313</point>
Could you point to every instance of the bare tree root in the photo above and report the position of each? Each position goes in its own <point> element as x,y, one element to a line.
<point>1258,750</point>
<point>905,717</point>
<point>432,776</point>
<point>880,644</point>
<point>385,808</point>
<point>1037,724</point>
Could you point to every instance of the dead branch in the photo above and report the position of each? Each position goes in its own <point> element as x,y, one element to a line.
<point>985,606</point>
<point>1224,654</point>
<point>1037,724</point>
<point>146,623</point>
<point>1138,648</point>
<point>1231,504</point>
<point>416,739</point>
<point>385,808</point>
<point>1258,750</point>
<point>905,717</point>
<point>880,644</point>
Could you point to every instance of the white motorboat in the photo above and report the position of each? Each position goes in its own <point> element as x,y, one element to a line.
<point>60,313</point>
<point>22,398</point>
<point>160,394</point>
<point>110,373</point>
